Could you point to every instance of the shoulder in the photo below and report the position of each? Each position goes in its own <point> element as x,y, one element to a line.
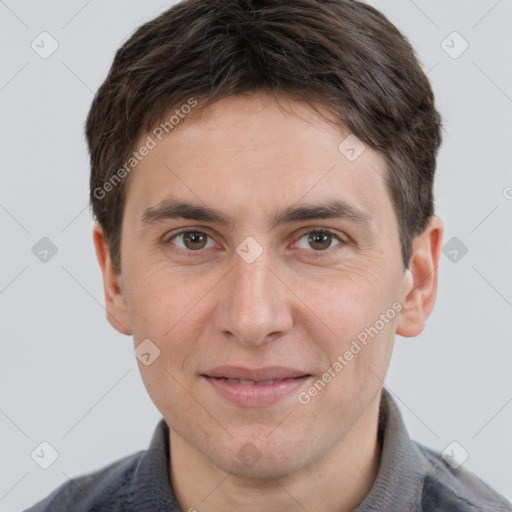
<point>137,482</point>
<point>446,488</point>
<point>110,486</point>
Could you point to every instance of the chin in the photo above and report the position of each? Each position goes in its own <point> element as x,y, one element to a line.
<point>263,458</point>
<point>267,467</point>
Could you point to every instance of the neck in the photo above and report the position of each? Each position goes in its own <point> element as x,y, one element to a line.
<point>339,481</point>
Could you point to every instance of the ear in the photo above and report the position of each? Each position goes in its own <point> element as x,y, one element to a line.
<point>115,304</point>
<point>420,290</point>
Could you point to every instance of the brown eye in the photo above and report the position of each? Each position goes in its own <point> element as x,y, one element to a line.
<point>320,240</point>
<point>194,240</point>
<point>191,241</point>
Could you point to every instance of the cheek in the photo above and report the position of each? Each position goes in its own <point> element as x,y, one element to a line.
<point>161,301</point>
<point>172,312</point>
<point>360,312</point>
<point>346,302</point>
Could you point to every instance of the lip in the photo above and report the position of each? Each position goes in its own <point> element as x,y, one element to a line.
<point>256,374</point>
<point>255,387</point>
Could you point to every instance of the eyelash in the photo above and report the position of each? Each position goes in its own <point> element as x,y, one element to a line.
<point>310,231</point>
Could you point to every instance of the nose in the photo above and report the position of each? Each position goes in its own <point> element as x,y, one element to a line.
<point>254,306</point>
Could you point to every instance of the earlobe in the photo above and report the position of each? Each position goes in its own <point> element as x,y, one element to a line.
<point>115,304</point>
<point>420,287</point>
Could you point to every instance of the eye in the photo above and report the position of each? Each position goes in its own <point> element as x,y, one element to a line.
<point>319,240</point>
<point>191,240</point>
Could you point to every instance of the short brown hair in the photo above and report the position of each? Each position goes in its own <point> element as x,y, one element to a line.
<point>341,53</point>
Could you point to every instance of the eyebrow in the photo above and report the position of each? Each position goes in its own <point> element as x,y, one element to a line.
<point>175,209</point>
<point>334,208</point>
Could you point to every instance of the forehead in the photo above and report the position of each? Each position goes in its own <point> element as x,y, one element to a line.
<point>249,155</point>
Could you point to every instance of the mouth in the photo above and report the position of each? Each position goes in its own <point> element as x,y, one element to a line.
<point>255,387</point>
<point>251,382</point>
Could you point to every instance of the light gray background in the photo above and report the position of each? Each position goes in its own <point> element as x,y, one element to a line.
<point>68,378</point>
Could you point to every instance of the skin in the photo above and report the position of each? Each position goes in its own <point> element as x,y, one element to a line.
<point>296,305</point>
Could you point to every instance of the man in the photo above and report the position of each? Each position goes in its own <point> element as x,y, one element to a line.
<point>262,174</point>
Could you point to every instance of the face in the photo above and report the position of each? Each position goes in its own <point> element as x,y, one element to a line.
<point>254,256</point>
